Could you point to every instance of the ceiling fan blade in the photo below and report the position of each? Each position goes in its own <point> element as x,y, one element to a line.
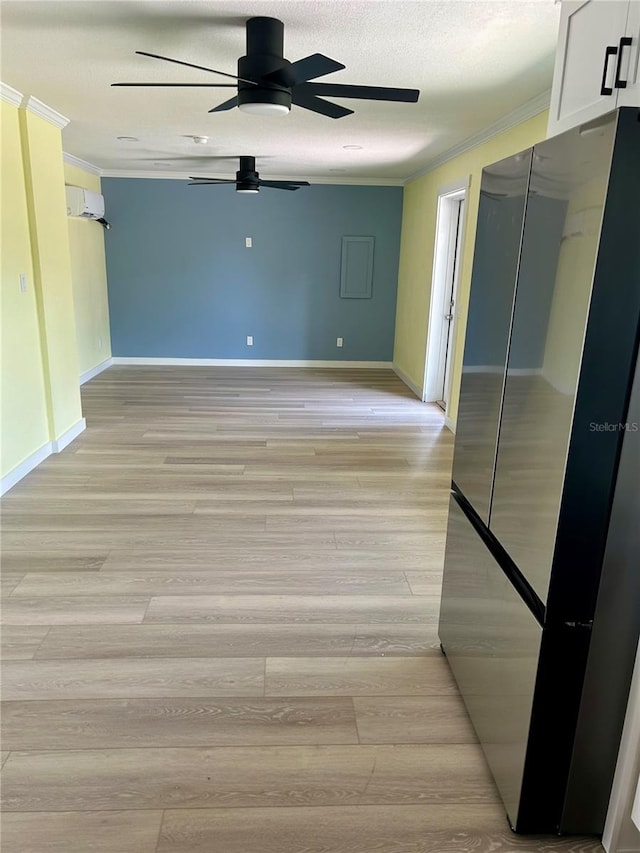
<point>191,65</point>
<point>194,159</point>
<point>284,185</point>
<point>213,180</point>
<point>305,69</point>
<point>226,105</point>
<point>372,93</point>
<point>309,101</point>
<point>184,85</point>
<point>208,183</point>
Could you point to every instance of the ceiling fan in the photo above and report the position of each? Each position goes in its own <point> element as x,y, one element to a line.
<point>268,84</point>
<point>247,180</point>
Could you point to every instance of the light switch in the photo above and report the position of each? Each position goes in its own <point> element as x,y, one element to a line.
<point>339,342</point>
<point>248,242</point>
<point>23,282</point>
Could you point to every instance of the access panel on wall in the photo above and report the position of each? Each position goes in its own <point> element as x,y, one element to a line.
<point>356,268</point>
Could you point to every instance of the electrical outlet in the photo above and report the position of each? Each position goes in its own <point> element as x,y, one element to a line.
<point>100,342</point>
<point>248,242</point>
<point>249,340</point>
<point>23,282</point>
<point>339,342</point>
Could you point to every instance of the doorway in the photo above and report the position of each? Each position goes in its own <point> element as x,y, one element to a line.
<point>446,272</point>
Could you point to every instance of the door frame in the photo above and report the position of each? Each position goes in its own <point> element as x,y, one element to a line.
<point>449,196</point>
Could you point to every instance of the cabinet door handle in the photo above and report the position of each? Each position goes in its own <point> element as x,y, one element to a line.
<point>609,52</point>
<point>625,41</point>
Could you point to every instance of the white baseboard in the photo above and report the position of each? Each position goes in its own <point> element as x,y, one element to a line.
<point>408,382</point>
<point>450,424</point>
<point>249,362</point>
<point>67,437</point>
<point>14,476</point>
<point>89,374</point>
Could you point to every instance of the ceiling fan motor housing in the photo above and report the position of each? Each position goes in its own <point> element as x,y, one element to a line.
<point>246,177</point>
<point>265,48</point>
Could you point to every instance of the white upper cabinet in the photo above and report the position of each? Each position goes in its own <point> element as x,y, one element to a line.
<point>596,66</point>
<point>629,94</point>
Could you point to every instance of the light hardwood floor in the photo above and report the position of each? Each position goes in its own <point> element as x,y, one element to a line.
<point>220,626</point>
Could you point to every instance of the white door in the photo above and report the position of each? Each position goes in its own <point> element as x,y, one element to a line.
<point>629,79</point>
<point>448,308</point>
<point>586,62</point>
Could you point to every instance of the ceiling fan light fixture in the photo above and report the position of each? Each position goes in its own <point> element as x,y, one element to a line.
<point>264,109</point>
<point>254,190</point>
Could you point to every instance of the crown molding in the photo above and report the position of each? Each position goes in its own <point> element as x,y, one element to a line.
<point>524,112</point>
<point>313,179</point>
<point>72,160</point>
<point>35,106</point>
<point>10,95</point>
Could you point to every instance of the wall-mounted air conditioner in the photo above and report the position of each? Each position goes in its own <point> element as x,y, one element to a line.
<point>86,204</point>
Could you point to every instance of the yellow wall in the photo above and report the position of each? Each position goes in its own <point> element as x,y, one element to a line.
<point>418,241</point>
<point>23,409</point>
<point>44,180</point>
<point>89,273</point>
<point>40,407</point>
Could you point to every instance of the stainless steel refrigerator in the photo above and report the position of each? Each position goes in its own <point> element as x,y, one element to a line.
<point>540,610</point>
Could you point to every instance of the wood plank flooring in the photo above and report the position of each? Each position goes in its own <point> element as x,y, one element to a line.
<point>220,626</point>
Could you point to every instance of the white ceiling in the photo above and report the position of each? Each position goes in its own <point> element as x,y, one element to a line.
<point>474,61</point>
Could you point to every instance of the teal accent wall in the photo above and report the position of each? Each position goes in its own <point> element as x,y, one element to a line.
<point>182,284</point>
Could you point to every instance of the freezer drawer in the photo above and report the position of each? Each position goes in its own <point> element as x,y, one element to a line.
<point>492,643</point>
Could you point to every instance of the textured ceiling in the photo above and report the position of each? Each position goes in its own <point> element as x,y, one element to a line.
<point>473,60</point>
